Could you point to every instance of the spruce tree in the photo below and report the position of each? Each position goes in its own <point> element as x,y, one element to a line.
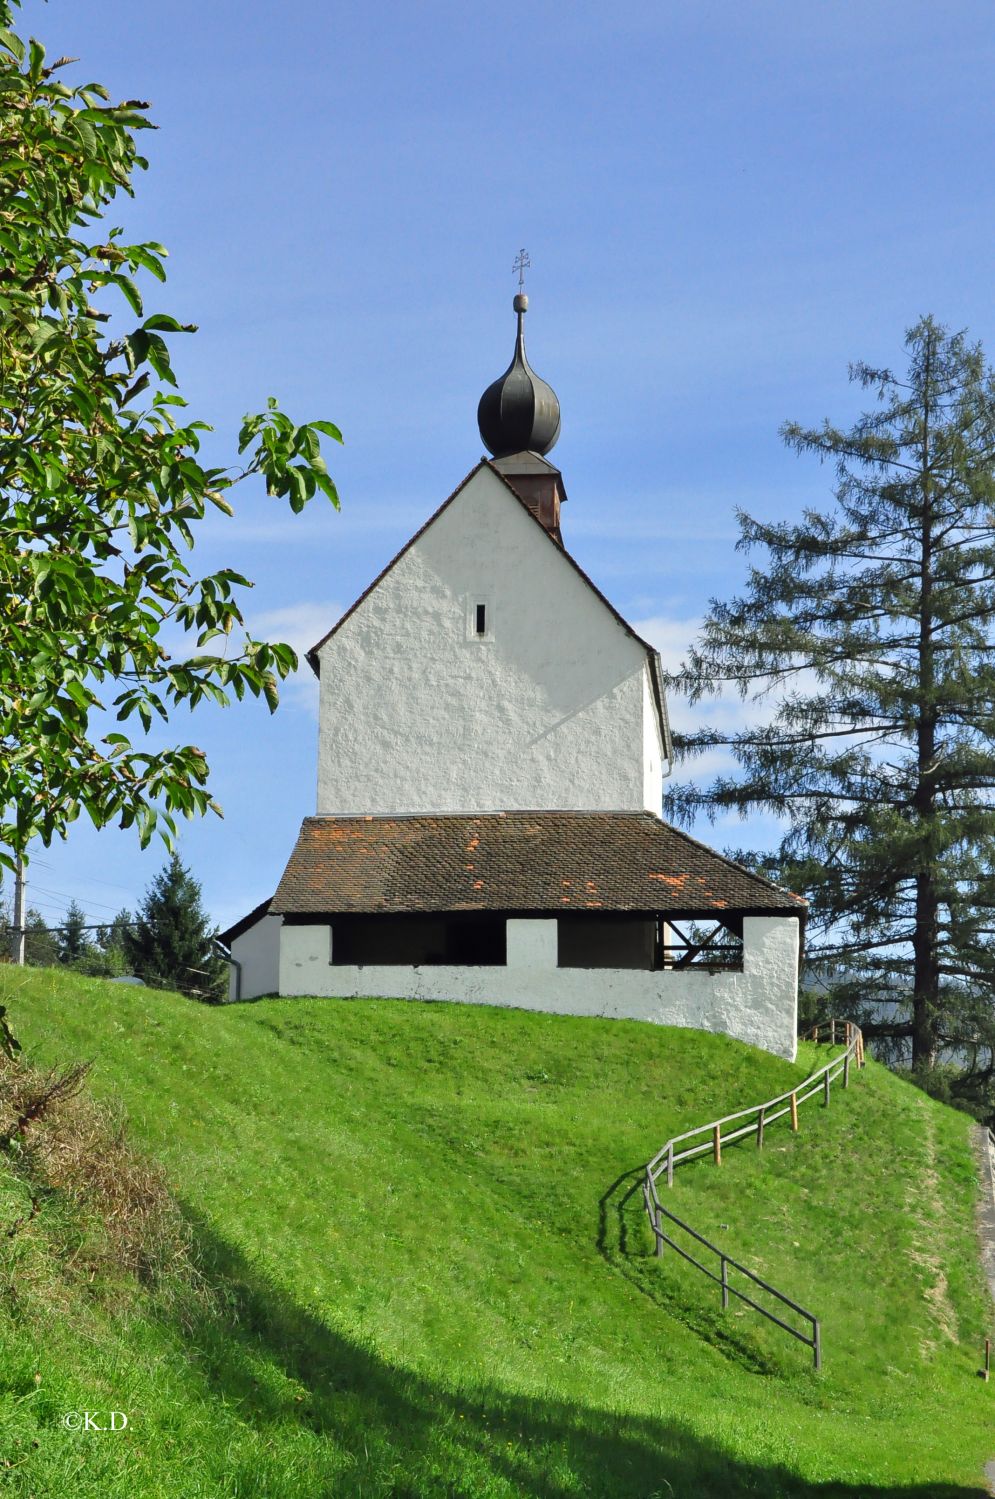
<point>73,941</point>
<point>865,638</point>
<point>170,945</point>
<point>106,957</point>
<point>41,948</point>
<point>112,936</point>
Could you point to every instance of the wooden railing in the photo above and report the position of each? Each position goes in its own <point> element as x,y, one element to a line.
<point>709,1139</point>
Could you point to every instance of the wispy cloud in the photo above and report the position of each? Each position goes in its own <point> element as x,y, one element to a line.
<point>620,523</point>
<point>351,524</point>
<point>672,637</point>
<point>302,626</point>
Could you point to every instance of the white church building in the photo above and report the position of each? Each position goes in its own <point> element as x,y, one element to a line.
<point>492,745</point>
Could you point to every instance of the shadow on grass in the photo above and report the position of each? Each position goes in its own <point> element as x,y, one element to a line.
<point>390,1433</point>
<point>623,1237</point>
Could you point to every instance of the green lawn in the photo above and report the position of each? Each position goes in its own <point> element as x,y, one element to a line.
<point>432,1279</point>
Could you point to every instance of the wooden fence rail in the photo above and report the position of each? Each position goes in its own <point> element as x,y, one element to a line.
<point>710,1139</point>
<point>761,1115</point>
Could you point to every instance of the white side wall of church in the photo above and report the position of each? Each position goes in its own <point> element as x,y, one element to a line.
<point>550,709</point>
<point>257,952</point>
<point>758,1005</point>
<point>652,750</point>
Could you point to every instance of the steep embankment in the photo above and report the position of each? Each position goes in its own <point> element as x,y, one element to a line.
<point>429,1277</point>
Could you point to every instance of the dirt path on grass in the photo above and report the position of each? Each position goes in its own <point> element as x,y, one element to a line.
<point>986,1203</point>
<point>986,1232</point>
<point>926,1212</point>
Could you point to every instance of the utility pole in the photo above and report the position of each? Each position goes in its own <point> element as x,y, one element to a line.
<point>17,934</point>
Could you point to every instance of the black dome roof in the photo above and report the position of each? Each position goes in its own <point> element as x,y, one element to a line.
<point>519,411</point>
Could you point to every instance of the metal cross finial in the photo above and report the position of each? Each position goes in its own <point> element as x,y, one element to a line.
<point>522,264</point>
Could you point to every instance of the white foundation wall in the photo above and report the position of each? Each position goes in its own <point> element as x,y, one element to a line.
<point>758,1005</point>
<point>551,709</point>
<point>257,952</point>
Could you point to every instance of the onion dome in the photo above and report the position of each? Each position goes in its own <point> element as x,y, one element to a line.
<point>519,412</point>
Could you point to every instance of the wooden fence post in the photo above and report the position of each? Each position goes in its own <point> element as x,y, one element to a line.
<point>717,1144</point>
<point>760,1129</point>
<point>846,1070</point>
<point>656,1230</point>
<point>725,1284</point>
<point>794,1112</point>
<point>825,1086</point>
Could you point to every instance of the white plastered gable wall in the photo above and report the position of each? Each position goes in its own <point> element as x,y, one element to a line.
<point>552,708</point>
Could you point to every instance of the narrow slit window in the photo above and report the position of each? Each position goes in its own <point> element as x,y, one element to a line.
<point>481,619</point>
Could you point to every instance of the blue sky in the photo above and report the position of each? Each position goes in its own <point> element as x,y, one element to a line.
<point>724,204</point>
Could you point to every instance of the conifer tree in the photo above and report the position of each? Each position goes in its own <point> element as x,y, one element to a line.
<point>865,636</point>
<point>73,941</point>
<point>112,936</point>
<point>106,957</point>
<point>170,945</point>
<point>41,949</point>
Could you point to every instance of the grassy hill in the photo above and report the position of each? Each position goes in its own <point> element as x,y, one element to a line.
<point>423,1275</point>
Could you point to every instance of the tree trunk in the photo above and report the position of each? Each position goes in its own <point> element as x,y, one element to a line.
<point>926,977</point>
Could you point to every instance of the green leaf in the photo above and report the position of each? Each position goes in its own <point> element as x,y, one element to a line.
<point>325,484</point>
<point>130,291</point>
<point>158,357</point>
<point>142,255</point>
<point>12,44</point>
<point>36,61</point>
<point>328,428</point>
<point>167,324</point>
<point>136,348</point>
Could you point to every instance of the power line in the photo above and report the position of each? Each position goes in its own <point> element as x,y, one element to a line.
<point>34,904</point>
<point>99,927</point>
<point>92,878</point>
<point>66,896</point>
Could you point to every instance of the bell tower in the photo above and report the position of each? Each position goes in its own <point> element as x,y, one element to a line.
<point>519,421</point>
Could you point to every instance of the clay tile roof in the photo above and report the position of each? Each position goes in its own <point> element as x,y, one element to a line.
<point>515,861</point>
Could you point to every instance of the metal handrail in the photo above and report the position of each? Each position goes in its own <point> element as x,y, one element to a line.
<point>656,1210</point>
<point>761,1115</point>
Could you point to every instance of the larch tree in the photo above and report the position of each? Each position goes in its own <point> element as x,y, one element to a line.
<point>864,640</point>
